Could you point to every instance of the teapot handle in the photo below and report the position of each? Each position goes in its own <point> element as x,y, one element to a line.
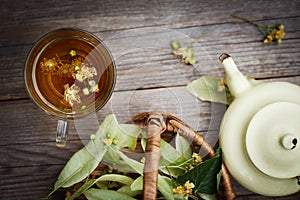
<point>235,80</point>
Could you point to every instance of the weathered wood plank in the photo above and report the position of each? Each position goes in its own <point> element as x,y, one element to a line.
<point>30,182</point>
<point>153,67</point>
<point>25,21</point>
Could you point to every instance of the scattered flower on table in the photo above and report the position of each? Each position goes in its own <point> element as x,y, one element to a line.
<point>273,32</point>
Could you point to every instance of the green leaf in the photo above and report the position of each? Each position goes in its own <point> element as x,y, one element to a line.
<point>102,185</point>
<point>219,176</point>
<point>165,187</point>
<point>84,161</point>
<point>204,175</point>
<point>171,160</point>
<point>208,196</point>
<point>121,161</point>
<point>183,146</point>
<point>137,184</point>
<point>80,165</point>
<point>100,194</point>
<point>116,178</point>
<point>87,185</point>
<point>206,89</point>
<point>179,197</point>
<point>123,135</point>
<point>126,189</point>
<point>143,143</point>
<point>135,165</point>
<point>129,135</point>
<point>169,153</point>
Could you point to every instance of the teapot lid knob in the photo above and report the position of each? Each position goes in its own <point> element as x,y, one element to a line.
<point>289,141</point>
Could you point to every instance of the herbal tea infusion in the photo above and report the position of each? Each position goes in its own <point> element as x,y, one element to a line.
<point>70,78</point>
<point>70,73</point>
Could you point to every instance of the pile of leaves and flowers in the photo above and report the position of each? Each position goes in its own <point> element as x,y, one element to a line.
<point>105,168</point>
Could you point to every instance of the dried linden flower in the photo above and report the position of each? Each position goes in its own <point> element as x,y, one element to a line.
<point>189,185</point>
<point>179,190</point>
<point>85,91</point>
<point>274,32</point>
<point>71,94</point>
<point>94,88</point>
<point>187,188</point>
<point>197,158</point>
<point>49,65</point>
<point>185,52</point>
<point>85,72</point>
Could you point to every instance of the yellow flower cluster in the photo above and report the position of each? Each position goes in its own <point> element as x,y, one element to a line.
<point>187,188</point>
<point>276,34</point>
<point>196,159</point>
<point>271,32</point>
<point>56,66</point>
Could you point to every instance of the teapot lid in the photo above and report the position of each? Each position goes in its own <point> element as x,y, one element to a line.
<point>273,140</point>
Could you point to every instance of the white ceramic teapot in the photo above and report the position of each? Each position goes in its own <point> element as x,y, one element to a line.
<point>260,133</point>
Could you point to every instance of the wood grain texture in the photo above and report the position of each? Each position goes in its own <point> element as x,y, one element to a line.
<point>138,33</point>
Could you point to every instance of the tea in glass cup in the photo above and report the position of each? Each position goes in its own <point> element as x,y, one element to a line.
<point>69,73</point>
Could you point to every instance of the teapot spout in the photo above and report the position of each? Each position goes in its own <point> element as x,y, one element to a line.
<point>235,80</point>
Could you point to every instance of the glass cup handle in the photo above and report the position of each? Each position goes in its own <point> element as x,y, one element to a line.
<point>61,135</point>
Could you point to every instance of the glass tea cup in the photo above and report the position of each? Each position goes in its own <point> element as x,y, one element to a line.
<point>69,73</point>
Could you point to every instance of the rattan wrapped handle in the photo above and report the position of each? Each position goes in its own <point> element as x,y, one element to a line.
<point>156,123</point>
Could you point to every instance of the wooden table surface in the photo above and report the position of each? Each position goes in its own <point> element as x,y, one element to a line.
<point>149,77</point>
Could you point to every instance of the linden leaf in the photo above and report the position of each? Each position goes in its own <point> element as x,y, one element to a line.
<point>165,187</point>
<point>137,184</point>
<point>80,165</point>
<point>102,194</point>
<point>206,89</point>
<point>205,175</point>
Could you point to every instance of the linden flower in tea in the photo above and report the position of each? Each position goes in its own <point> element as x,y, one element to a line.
<point>76,76</point>
<point>84,73</point>
<point>71,94</point>
<point>48,65</point>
